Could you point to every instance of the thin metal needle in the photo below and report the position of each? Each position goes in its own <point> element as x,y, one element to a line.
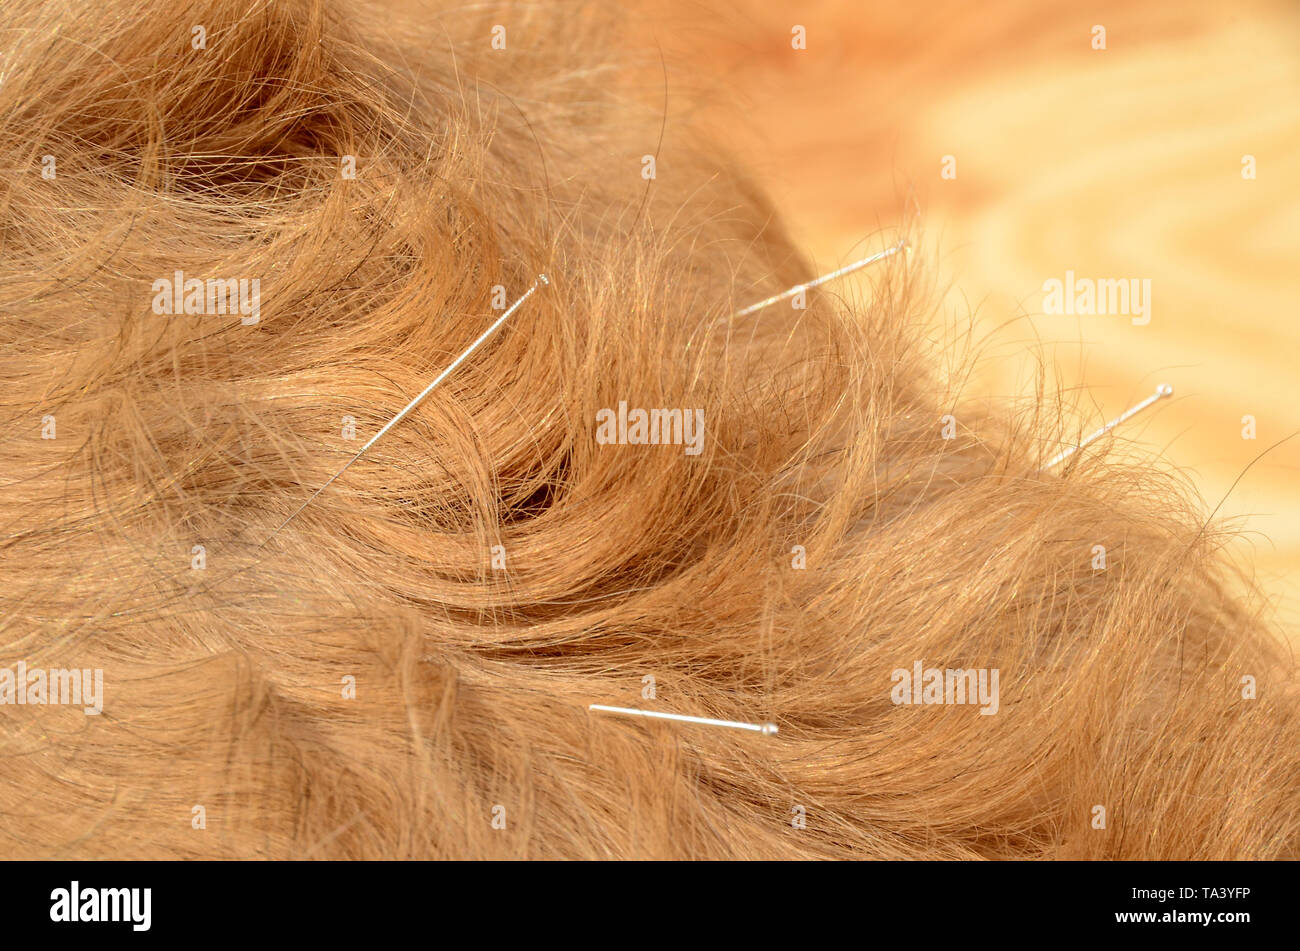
<point>542,281</point>
<point>847,269</point>
<point>767,729</point>
<point>1163,390</point>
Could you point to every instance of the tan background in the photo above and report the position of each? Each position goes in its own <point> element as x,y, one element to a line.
<point>1123,162</point>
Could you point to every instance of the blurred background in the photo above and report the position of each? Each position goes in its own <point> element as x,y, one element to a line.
<point>1119,162</point>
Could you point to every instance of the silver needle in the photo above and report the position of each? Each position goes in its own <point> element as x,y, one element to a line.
<point>1163,390</point>
<point>847,269</point>
<point>542,281</point>
<point>767,729</point>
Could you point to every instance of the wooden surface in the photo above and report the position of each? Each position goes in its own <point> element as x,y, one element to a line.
<point>1115,163</point>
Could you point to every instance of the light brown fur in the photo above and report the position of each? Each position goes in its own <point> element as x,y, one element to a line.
<point>477,168</point>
